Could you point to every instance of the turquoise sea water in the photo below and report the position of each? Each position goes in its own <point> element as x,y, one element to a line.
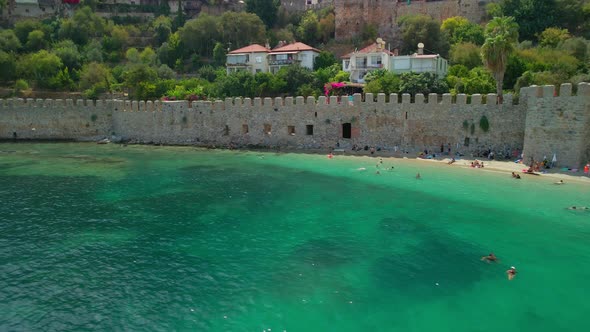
<point>144,238</point>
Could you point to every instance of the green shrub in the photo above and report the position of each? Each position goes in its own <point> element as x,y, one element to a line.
<point>484,124</point>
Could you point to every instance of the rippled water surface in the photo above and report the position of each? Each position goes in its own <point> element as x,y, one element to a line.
<point>143,238</point>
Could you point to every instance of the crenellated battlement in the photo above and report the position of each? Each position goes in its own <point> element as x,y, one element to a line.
<point>396,121</point>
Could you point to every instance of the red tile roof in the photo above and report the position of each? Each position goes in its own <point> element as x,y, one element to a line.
<point>369,49</point>
<point>254,48</point>
<point>295,47</point>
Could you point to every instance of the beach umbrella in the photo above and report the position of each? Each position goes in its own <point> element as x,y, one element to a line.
<point>553,160</point>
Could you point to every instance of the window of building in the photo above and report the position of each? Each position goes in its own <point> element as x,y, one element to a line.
<point>376,60</point>
<point>244,129</point>
<point>466,142</point>
<point>226,130</point>
<point>258,70</point>
<point>346,130</point>
<point>346,64</point>
<point>309,129</point>
<point>291,130</point>
<point>258,59</point>
<point>267,128</point>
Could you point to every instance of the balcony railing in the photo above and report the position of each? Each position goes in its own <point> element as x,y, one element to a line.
<point>283,62</point>
<point>238,65</point>
<point>371,66</point>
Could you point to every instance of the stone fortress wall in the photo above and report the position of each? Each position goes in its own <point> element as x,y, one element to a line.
<point>352,15</point>
<point>541,122</point>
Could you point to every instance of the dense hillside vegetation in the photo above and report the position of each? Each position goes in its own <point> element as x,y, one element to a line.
<point>175,57</point>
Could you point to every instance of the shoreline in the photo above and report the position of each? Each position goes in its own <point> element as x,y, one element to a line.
<point>502,166</point>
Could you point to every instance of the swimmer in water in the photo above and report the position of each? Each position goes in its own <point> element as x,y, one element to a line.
<point>560,182</point>
<point>418,177</point>
<point>511,273</point>
<point>361,169</point>
<point>490,258</point>
<point>578,208</point>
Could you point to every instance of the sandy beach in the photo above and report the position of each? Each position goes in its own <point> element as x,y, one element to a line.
<point>504,166</point>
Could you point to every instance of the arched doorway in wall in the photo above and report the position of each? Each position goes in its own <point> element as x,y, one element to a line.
<point>346,130</point>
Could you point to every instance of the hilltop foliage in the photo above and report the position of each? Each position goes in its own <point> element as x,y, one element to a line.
<point>177,57</point>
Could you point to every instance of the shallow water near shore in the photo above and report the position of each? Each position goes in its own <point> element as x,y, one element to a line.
<point>147,238</point>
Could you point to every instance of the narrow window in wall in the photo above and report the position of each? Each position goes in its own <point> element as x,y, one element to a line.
<point>267,128</point>
<point>466,142</point>
<point>309,129</point>
<point>406,115</point>
<point>226,130</point>
<point>346,130</point>
<point>244,129</point>
<point>291,130</point>
<point>316,114</point>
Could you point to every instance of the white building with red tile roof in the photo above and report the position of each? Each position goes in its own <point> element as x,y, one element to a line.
<point>295,53</point>
<point>375,57</point>
<point>360,63</point>
<point>252,58</point>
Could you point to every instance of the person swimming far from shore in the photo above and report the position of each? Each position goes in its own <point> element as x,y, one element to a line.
<point>559,182</point>
<point>511,273</point>
<point>418,177</point>
<point>490,258</point>
<point>578,208</point>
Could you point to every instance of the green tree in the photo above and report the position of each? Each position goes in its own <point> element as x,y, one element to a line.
<point>7,66</point>
<point>577,47</point>
<point>308,30</point>
<point>532,16</point>
<point>68,52</point>
<point>199,35</point>
<point>241,29</point>
<point>148,56</point>
<point>165,72</point>
<point>132,56</point>
<point>423,83</point>
<point>138,81</point>
<point>383,82</point>
<point>324,59</point>
<point>219,54</point>
<point>265,9</point>
<point>422,29</point>
<point>162,26</point>
<point>96,76</point>
<point>460,30</point>
<point>466,54</point>
<point>93,52</point>
<point>501,33</point>
<point>9,42</point>
<point>572,16</point>
<point>22,28</point>
<point>41,67</point>
<point>82,26</point>
<point>295,76</point>
<point>35,41</point>
<point>551,37</point>
<point>117,41</point>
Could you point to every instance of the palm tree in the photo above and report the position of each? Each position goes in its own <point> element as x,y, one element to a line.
<point>501,33</point>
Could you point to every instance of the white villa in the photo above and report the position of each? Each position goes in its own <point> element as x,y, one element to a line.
<point>256,58</point>
<point>370,58</point>
<point>375,56</point>
<point>252,58</point>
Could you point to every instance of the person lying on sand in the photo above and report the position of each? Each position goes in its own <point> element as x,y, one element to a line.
<point>490,258</point>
